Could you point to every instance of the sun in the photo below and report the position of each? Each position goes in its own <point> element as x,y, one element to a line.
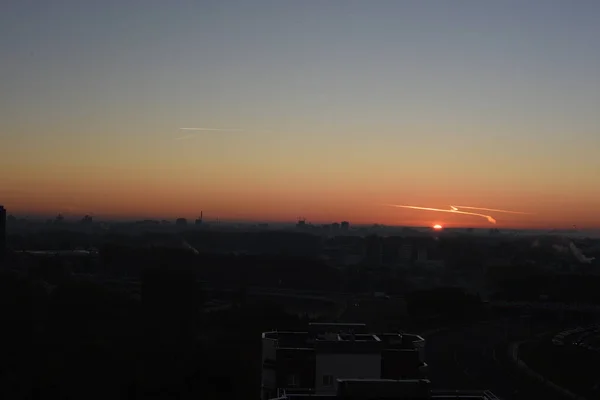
<point>438,227</point>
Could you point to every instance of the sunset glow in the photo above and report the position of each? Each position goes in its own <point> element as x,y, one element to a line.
<point>438,227</point>
<point>268,112</point>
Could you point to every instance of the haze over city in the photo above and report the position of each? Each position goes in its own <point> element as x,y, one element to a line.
<point>271,110</point>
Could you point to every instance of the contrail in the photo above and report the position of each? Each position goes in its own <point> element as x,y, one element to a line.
<point>488,209</point>
<point>453,210</point>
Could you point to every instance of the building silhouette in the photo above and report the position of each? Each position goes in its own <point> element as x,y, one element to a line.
<point>2,232</point>
<point>345,225</point>
<point>59,220</point>
<point>311,362</point>
<point>199,220</point>
<point>181,222</point>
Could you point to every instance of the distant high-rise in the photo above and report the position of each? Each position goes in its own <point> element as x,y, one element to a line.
<point>405,252</point>
<point>2,231</point>
<point>345,225</point>
<point>199,220</point>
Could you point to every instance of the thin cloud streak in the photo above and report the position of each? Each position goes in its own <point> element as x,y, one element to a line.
<point>452,211</point>
<point>489,209</point>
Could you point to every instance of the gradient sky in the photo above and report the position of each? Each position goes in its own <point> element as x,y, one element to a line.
<point>340,106</point>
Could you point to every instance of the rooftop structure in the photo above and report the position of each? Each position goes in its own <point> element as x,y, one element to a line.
<point>384,389</point>
<point>311,362</point>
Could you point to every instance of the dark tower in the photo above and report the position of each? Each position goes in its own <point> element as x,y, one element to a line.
<point>2,232</point>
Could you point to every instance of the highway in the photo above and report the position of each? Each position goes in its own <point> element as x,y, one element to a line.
<point>476,357</point>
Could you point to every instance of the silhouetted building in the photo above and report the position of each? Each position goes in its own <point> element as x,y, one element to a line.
<point>199,219</point>
<point>345,225</point>
<point>2,231</point>
<point>311,362</point>
<point>301,224</point>
<point>181,222</point>
<point>405,252</point>
<point>87,220</point>
<point>59,219</point>
<point>374,249</point>
<point>380,389</point>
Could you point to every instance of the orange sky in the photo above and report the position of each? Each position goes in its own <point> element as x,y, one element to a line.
<point>264,194</point>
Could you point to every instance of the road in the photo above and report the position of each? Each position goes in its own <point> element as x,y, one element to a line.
<point>476,357</point>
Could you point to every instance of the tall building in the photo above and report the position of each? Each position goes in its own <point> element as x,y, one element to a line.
<point>2,231</point>
<point>311,362</point>
<point>345,225</point>
<point>405,252</point>
<point>199,219</point>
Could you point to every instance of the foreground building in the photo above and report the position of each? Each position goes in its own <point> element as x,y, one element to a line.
<point>346,361</point>
<point>313,361</point>
<point>367,389</point>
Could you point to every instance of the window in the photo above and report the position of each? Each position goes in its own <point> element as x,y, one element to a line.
<point>292,380</point>
<point>327,380</point>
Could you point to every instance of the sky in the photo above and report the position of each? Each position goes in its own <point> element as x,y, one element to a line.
<point>319,109</point>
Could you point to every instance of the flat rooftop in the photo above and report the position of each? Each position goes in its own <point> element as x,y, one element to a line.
<point>319,339</point>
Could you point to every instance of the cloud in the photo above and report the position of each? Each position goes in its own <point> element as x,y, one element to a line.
<point>453,210</point>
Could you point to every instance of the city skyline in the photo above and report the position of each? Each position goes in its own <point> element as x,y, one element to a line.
<point>271,110</point>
